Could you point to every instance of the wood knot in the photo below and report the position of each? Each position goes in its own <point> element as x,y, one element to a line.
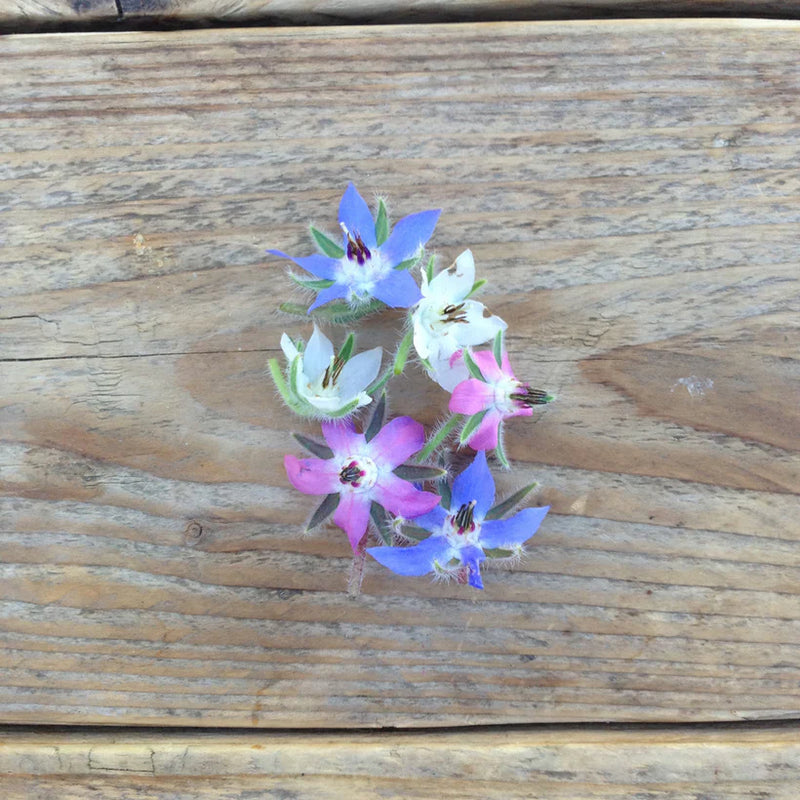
<point>193,533</point>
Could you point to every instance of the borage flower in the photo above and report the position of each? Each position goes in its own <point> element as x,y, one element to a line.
<point>492,395</point>
<point>372,263</point>
<point>323,384</point>
<point>357,471</point>
<point>463,532</point>
<point>445,321</point>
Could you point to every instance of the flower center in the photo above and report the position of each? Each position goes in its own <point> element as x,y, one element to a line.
<point>356,249</point>
<point>526,397</point>
<point>464,528</point>
<point>360,268</point>
<point>359,473</point>
<point>453,313</point>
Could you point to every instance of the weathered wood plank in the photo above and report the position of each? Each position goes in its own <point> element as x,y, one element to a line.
<point>631,191</point>
<point>729,764</point>
<point>26,13</point>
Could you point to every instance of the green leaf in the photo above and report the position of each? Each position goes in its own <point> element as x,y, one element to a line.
<point>328,246</point>
<point>413,472</point>
<point>472,367</point>
<point>402,353</point>
<point>376,420</point>
<point>408,263</point>
<point>472,424</point>
<point>439,437</point>
<point>501,509</point>
<point>324,510</point>
<point>497,348</point>
<point>477,286</point>
<point>378,517</point>
<point>500,451</point>
<point>318,449</point>
<point>347,347</point>
<point>429,269</point>
<point>311,283</point>
<point>381,224</point>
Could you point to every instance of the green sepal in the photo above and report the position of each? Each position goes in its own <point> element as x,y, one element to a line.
<point>280,384</point>
<point>497,552</point>
<point>328,246</point>
<point>381,381</point>
<point>347,347</point>
<point>446,493</point>
<point>407,264</point>
<point>497,348</point>
<point>324,510</point>
<point>439,437</point>
<point>345,411</point>
<point>402,353</point>
<point>378,517</point>
<point>293,308</point>
<point>381,224</point>
<point>429,269</point>
<point>318,449</point>
<point>472,367</point>
<point>376,420</point>
<point>477,286</point>
<point>502,508</point>
<point>472,424</point>
<point>425,363</point>
<point>500,451</point>
<point>311,283</point>
<point>414,532</point>
<point>413,472</point>
<point>343,313</point>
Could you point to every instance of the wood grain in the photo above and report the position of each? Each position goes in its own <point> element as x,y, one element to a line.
<point>631,191</point>
<point>26,13</point>
<point>691,764</point>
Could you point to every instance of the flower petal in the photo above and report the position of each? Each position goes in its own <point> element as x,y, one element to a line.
<point>357,218</point>
<point>398,289</point>
<point>480,325</point>
<point>488,366</point>
<point>471,396</point>
<point>453,284</point>
<point>474,483</point>
<point>312,475</point>
<point>317,356</point>
<point>433,521</point>
<point>342,438</point>
<point>449,372</point>
<point>397,441</point>
<point>507,533</point>
<point>402,498</point>
<point>471,558</point>
<point>352,516</point>
<point>408,237</point>
<point>358,373</point>
<point>487,433</point>
<point>415,560</point>
<point>335,292</point>
<point>319,265</point>
<point>289,350</point>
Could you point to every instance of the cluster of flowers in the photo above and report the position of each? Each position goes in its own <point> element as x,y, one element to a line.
<point>364,475</point>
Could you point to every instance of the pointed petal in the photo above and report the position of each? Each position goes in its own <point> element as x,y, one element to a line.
<point>480,325</point>
<point>507,533</point>
<point>488,366</point>
<point>416,560</point>
<point>408,237</point>
<point>486,435</point>
<point>471,558</point>
<point>289,350</point>
<point>319,265</point>
<point>357,218</point>
<point>318,355</point>
<point>453,284</point>
<point>449,372</point>
<point>398,289</point>
<point>397,441</point>
<point>474,483</point>
<point>312,475</point>
<point>335,292</point>
<point>433,521</point>
<point>342,438</point>
<point>471,396</point>
<point>402,498</point>
<point>358,373</point>
<point>352,516</point>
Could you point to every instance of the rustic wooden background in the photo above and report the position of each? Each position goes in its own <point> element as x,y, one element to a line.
<point>631,191</point>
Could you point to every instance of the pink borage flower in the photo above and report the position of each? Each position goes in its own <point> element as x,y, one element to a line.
<point>360,470</point>
<point>492,395</point>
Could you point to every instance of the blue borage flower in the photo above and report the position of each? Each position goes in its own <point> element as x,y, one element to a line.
<point>464,531</point>
<point>372,264</point>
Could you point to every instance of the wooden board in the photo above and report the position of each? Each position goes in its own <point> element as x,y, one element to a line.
<point>690,764</point>
<point>29,13</point>
<point>631,191</point>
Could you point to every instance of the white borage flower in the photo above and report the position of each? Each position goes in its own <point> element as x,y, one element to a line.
<point>322,383</point>
<point>445,321</point>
